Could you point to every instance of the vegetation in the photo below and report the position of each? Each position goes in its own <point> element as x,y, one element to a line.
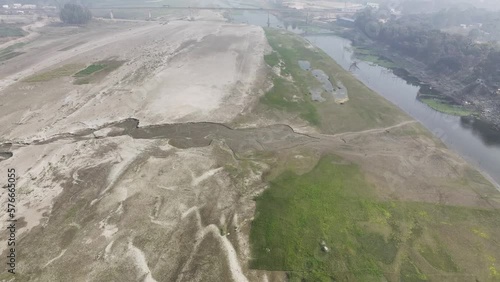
<point>96,71</point>
<point>445,54</point>
<point>291,90</point>
<point>10,31</point>
<point>90,70</point>
<point>272,59</point>
<point>370,56</point>
<point>332,204</point>
<point>66,70</point>
<point>276,98</point>
<point>470,68</point>
<point>412,273</point>
<point>297,213</point>
<point>87,75</point>
<point>75,14</point>
<point>284,93</point>
<point>482,23</point>
<point>447,108</point>
<point>366,238</point>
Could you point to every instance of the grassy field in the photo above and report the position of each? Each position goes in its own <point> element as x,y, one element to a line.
<point>363,111</point>
<point>10,31</point>
<point>333,205</point>
<point>367,239</point>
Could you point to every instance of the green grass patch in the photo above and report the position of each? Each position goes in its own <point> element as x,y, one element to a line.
<point>10,31</point>
<point>447,108</point>
<point>272,59</point>
<point>284,95</point>
<point>66,70</point>
<point>439,258</point>
<point>90,70</point>
<point>411,273</point>
<point>333,203</point>
<point>364,110</point>
<point>299,212</point>
<point>96,71</point>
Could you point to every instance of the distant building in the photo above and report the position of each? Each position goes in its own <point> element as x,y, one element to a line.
<point>5,6</point>
<point>16,6</point>
<point>373,5</point>
<point>28,7</point>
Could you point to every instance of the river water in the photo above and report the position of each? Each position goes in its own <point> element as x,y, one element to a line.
<point>470,138</point>
<point>473,140</point>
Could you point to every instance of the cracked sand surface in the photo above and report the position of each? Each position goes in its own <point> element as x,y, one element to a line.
<point>86,196</point>
<point>179,72</point>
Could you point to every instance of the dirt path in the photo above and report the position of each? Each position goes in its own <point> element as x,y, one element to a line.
<point>374,130</point>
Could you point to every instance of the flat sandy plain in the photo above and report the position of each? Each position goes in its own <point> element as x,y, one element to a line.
<point>149,172</point>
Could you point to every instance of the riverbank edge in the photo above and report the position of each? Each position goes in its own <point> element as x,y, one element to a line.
<point>484,173</point>
<point>415,72</point>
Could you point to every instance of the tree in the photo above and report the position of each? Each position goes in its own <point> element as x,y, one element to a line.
<point>75,14</point>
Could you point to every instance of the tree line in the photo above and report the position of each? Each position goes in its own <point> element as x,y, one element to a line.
<point>75,14</point>
<point>443,53</point>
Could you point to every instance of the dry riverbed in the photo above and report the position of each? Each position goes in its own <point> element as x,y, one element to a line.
<point>140,148</point>
<point>85,193</point>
